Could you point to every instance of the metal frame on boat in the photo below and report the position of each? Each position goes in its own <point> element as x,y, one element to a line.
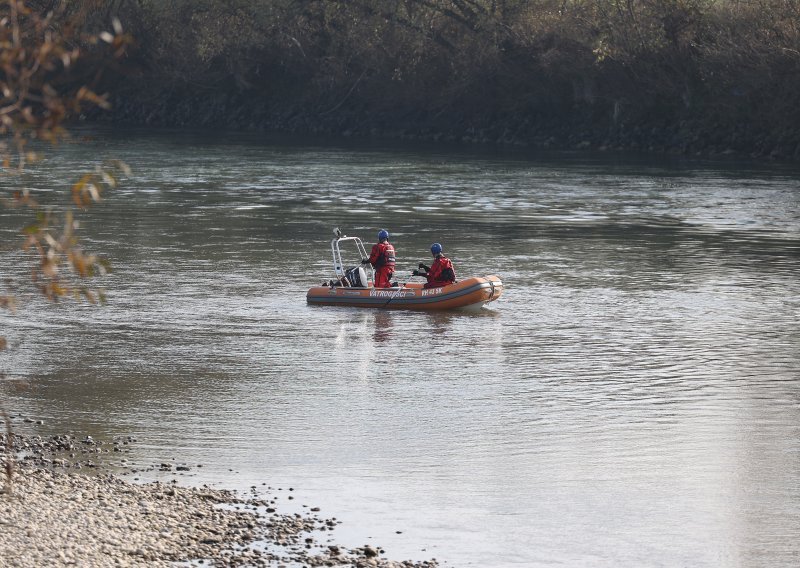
<point>338,266</point>
<point>352,288</point>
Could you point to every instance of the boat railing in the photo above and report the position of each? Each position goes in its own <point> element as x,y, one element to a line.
<point>339,267</point>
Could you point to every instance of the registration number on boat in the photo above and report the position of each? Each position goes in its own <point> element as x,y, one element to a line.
<point>431,291</point>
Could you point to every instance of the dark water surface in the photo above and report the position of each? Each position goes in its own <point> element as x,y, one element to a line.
<point>633,399</point>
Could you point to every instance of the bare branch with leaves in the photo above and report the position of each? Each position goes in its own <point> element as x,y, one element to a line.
<point>42,86</point>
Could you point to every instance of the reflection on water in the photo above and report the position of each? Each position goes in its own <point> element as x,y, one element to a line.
<point>633,399</point>
<point>383,326</point>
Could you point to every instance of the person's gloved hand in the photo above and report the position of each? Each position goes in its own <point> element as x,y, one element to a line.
<point>423,267</point>
<point>365,261</point>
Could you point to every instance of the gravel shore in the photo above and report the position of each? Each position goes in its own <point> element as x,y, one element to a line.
<point>51,515</point>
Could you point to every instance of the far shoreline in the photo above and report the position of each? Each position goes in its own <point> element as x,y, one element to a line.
<point>373,141</point>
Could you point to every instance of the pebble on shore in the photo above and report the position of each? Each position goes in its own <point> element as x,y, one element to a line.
<point>50,517</point>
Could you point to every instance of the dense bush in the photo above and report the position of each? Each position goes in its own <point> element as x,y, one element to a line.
<point>685,75</point>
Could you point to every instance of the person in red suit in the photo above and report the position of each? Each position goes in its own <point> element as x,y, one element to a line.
<point>382,260</point>
<point>440,273</point>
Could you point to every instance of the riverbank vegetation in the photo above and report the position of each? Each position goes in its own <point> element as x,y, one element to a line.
<point>687,76</point>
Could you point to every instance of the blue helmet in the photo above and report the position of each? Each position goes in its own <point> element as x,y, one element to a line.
<point>383,234</point>
<point>436,248</point>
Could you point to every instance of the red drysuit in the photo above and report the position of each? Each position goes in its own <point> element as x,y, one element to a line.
<point>441,273</point>
<point>383,260</point>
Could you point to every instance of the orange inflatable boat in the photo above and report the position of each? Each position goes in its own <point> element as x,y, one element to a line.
<point>352,287</point>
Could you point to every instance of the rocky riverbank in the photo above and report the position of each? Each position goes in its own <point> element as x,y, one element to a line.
<point>51,514</point>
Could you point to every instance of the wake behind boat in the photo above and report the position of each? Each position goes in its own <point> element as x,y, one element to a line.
<point>353,287</point>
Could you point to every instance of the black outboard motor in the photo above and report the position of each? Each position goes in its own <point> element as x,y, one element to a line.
<point>357,277</point>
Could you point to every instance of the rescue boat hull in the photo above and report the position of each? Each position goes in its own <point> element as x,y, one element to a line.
<point>469,294</point>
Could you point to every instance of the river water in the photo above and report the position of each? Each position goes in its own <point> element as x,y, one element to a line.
<point>632,400</point>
